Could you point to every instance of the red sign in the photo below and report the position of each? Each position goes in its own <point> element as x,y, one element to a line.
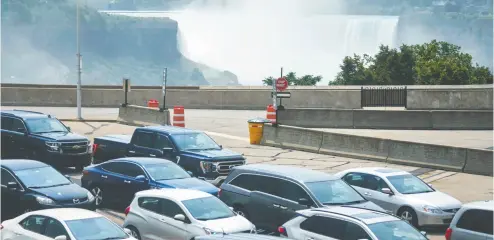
<point>281,84</point>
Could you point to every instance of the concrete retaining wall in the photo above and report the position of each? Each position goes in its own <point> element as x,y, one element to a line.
<point>138,115</point>
<point>441,99</point>
<point>380,119</point>
<point>474,161</point>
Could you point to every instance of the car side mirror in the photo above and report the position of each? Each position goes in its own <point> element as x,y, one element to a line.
<point>304,202</point>
<point>61,237</point>
<point>69,129</point>
<point>128,231</point>
<point>190,173</point>
<point>387,191</point>
<point>423,233</point>
<point>12,185</point>
<point>221,146</point>
<point>179,217</point>
<point>141,178</point>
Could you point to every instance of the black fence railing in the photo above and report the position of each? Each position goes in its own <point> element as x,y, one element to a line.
<point>384,96</point>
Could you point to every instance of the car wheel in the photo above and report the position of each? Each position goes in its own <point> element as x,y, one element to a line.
<point>409,215</point>
<point>241,211</point>
<point>134,232</point>
<point>98,195</point>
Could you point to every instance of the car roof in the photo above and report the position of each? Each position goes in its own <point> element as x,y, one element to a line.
<point>238,236</point>
<point>141,160</point>
<point>67,214</point>
<point>20,164</point>
<point>172,130</point>
<point>484,205</point>
<point>366,216</point>
<point>380,171</point>
<point>25,114</point>
<point>176,194</point>
<point>295,173</point>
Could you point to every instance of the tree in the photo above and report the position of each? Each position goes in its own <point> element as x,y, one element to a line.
<point>293,80</point>
<point>433,63</point>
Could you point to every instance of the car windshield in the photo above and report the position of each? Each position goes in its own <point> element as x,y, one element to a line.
<point>335,192</point>
<point>208,208</point>
<point>409,184</point>
<point>95,229</point>
<point>41,177</point>
<point>166,171</point>
<point>395,230</point>
<point>194,141</point>
<point>45,125</point>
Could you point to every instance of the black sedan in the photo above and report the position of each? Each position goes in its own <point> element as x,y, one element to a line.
<point>29,185</point>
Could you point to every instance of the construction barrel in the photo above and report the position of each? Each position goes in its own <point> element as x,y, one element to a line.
<point>178,116</point>
<point>271,114</point>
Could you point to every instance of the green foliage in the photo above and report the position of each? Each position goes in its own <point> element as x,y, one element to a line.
<point>433,63</point>
<point>293,80</point>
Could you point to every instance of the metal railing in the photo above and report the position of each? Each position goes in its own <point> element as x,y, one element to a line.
<point>384,96</point>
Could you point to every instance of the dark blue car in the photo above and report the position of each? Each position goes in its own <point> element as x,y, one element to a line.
<point>116,181</point>
<point>29,185</point>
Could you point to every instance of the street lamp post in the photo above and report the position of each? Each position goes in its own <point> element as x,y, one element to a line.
<point>79,66</point>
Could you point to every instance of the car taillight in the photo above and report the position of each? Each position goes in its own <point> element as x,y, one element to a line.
<point>449,231</point>
<point>127,210</point>
<point>282,231</point>
<point>219,193</point>
<point>95,147</point>
<point>85,172</point>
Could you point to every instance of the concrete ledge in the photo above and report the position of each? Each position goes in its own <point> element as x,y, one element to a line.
<point>138,115</point>
<point>474,161</point>
<point>381,119</point>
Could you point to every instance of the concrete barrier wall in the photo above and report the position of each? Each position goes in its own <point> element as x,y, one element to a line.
<point>474,161</point>
<point>380,119</point>
<point>138,115</point>
<point>244,97</point>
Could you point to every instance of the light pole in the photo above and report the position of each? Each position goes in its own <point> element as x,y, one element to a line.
<point>79,66</point>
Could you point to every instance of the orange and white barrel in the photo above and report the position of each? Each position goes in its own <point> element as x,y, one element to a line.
<point>178,116</point>
<point>271,114</point>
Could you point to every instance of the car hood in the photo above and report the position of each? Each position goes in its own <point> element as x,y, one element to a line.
<point>191,183</point>
<point>367,205</point>
<point>62,136</point>
<point>229,225</point>
<point>218,154</point>
<point>62,193</point>
<point>435,199</point>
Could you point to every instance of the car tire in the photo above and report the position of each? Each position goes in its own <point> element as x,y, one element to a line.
<point>240,210</point>
<point>408,214</point>
<point>98,195</point>
<point>135,232</point>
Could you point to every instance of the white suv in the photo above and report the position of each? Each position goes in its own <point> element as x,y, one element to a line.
<point>348,222</point>
<point>473,222</point>
<point>181,214</point>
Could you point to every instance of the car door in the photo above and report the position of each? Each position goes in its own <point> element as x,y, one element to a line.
<point>164,148</point>
<point>141,144</point>
<point>53,228</point>
<point>474,224</point>
<point>11,198</point>
<point>7,145</point>
<point>322,228</point>
<point>166,226</point>
<point>20,140</point>
<point>288,194</point>
<point>128,184</point>
<point>373,192</point>
<point>262,201</point>
<point>31,228</point>
<point>110,181</point>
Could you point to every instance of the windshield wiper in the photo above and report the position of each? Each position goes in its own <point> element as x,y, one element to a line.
<point>332,204</point>
<point>39,187</point>
<point>108,238</point>
<point>56,185</point>
<point>355,202</point>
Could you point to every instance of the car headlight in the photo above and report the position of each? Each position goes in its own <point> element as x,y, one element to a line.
<point>206,166</point>
<point>431,209</point>
<point>44,200</point>
<point>210,232</point>
<point>53,146</point>
<point>90,196</point>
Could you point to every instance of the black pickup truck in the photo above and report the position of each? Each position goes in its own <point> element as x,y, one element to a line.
<point>39,136</point>
<point>194,150</point>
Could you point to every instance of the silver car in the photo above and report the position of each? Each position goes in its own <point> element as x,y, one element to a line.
<point>403,194</point>
<point>473,222</point>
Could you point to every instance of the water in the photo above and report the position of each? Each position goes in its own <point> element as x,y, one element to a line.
<point>254,45</point>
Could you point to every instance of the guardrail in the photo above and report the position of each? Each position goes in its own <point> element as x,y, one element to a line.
<point>384,96</point>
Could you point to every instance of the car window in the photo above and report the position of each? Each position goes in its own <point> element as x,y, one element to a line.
<point>131,170</point>
<point>290,191</point>
<point>7,177</point>
<point>162,142</point>
<point>54,229</point>
<point>170,208</point>
<point>208,208</point>
<point>392,230</point>
<point>149,203</point>
<point>166,171</point>
<point>374,183</point>
<point>355,232</point>
<point>334,192</point>
<point>326,226</point>
<point>7,123</point>
<point>143,139</point>
<point>256,183</point>
<point>409,184</point>
<point>18,126</point>
<point>355,179</point>
<point>476,220</point>
<point>33,223</point>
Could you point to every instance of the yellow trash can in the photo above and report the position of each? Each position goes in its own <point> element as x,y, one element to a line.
<point>255,130</point>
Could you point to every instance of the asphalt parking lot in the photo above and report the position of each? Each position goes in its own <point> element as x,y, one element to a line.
<point>465,187</point>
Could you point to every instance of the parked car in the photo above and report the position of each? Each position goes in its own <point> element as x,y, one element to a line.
<point>181,214</point>
<point>269,195</point>
<point>403,194</point>
<point>38,136</point>
<point>29,185</point>
<point>237,236</point>
<point>62,224</point>
<point>193,150</point>
<point>473,222</point>
<point>348,222</point>
<point>116,181</point>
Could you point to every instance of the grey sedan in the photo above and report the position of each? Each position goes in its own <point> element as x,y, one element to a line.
<point>403,194</point>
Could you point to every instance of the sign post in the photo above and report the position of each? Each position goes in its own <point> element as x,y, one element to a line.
<point>163,90</point>
<point>126,89</point>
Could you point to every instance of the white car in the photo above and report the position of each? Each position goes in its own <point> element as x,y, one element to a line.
<point>181,214</point>
<point>403,194</point>
<point>62,224</point>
